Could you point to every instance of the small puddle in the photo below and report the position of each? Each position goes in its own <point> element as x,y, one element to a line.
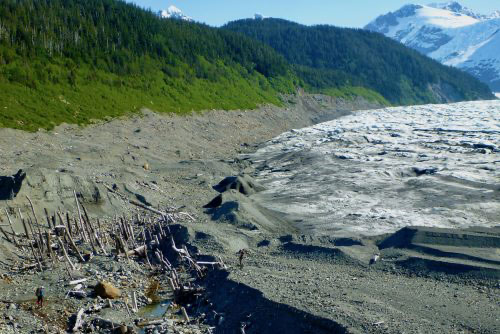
<point>154,311</point>
<point>158,308</point>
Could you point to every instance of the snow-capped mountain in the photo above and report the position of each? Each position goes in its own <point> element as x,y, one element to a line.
<point>449,33</point>
<point>173,12</point>
<point>494,15</point>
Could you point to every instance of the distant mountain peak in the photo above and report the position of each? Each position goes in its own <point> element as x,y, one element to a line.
<point>455,7</point>
<point>450,33</point>
<point>173,12</point>
<point>494,15</point>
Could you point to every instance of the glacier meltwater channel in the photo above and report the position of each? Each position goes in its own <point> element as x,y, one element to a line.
<point>377,171</point>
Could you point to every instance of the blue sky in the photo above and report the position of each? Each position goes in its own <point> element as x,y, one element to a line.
<point>347,13</point>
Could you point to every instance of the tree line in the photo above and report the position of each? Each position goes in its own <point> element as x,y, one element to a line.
<point>326,56</point>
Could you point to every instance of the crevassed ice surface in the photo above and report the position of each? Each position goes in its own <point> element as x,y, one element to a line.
<point>377,171</point>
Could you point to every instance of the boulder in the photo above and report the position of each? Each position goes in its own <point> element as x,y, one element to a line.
<point>107,290</point>
<point>242,183</point>
<point>11,185</point>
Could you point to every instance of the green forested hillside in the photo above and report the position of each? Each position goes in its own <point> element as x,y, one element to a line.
<point>326,57</point>
<point>78,60</point>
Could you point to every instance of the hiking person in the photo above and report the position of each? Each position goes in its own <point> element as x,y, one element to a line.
<point>242,252</point>
<point>374,258</point>
<point>40,294</point>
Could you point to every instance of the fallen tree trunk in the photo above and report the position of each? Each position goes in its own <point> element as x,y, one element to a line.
<point>145,207</point>
<point>78,321</point>
<point>66,254</point>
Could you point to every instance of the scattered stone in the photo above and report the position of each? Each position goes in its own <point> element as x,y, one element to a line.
<point>107,290</point>
<point>484,146</point>
<point>424,171</point>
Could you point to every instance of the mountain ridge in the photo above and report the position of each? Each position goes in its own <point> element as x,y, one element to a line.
<point>326,57</point>
<point>456,7</point>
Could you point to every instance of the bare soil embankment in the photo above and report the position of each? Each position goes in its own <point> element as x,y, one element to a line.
<point>290,282</point>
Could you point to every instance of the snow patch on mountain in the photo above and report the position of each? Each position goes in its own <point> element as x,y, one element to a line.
<point>455,7</point>
<point>173,12</point>
<point>444,18</point>
<point>449,33</point>
<point>494,15</point>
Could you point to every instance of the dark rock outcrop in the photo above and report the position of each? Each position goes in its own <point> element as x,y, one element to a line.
<point>424,171</point>
<point>11,185</point>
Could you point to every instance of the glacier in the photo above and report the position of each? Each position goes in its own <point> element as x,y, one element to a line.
<point>377,171</point>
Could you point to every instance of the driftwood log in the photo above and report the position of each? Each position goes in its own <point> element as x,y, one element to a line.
<point>79,321</point>
<point>61,244</point>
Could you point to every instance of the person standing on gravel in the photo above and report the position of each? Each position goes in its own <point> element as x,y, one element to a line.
<point>40,295</point>
<point>374,258</point>
<point>242,253</point>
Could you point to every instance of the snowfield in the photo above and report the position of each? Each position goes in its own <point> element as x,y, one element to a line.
<point>377,171</point>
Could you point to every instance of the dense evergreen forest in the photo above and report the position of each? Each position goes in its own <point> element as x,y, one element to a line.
<point>112,35</point>
<point>325,57</point>
<point>77,61</point>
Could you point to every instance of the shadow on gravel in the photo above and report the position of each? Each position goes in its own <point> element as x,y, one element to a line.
<point>239,305</point>
<point>324,240</point>
<point>318,253</point>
